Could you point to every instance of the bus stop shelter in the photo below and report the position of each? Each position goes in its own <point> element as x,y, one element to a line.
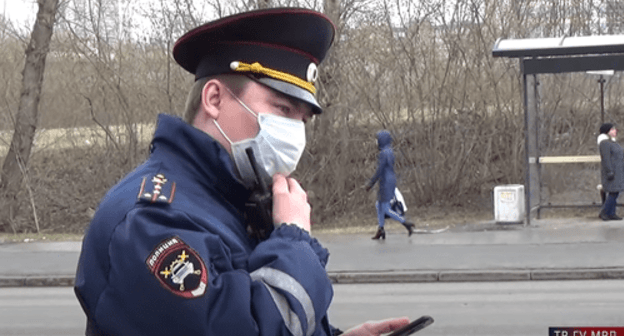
<point>552,56</point>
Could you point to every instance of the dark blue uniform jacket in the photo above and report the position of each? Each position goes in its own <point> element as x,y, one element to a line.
<point>385,168</point>
<point>167,253</point>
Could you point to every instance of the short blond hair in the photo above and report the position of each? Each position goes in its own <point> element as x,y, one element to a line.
<point>236,83</point>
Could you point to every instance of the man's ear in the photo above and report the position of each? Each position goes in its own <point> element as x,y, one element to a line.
<point>212,98</point>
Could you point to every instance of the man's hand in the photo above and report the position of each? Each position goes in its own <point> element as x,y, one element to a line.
<point>610,176</point>
<point>290,202</point>
<point>376,328</point>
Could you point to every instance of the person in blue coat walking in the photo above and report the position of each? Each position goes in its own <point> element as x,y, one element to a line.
<point>387,185</point>
<point>192,242</point>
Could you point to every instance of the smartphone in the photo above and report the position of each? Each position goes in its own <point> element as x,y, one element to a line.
<point>413,326</point>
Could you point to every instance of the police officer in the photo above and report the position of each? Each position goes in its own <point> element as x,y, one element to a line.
<point>176,247</point>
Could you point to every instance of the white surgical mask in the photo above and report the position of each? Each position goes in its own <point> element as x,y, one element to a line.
<point>277,147</point>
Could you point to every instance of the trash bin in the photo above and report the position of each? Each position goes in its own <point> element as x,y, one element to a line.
<point>509,204</point>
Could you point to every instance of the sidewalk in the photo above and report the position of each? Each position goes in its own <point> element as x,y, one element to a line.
<point>550,249</point>
<point>553,249</point>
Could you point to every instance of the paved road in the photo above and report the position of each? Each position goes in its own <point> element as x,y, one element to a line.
<point>485,308</point>
<point>459,308</point>
<point>42,311</point>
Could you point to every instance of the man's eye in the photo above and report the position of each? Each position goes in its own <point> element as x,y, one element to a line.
<point>284,109</point>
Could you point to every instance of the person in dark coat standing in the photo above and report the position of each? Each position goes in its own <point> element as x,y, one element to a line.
<point>387,184</point>
<point>611,169</point>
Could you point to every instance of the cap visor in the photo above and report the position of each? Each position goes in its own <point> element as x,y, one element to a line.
<point>292,91</point>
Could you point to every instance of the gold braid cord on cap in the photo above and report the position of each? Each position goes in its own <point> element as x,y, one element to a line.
<point>288,78</point>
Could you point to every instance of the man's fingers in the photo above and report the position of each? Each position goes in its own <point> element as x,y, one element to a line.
<point>294,186</point>
<point>283,184</point>
<point>290,202</point>
<point>280,184</point>
<point>388,325</point>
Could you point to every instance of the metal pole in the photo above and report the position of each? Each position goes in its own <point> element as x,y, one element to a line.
<point>601,81</point>
<point>527,152</point>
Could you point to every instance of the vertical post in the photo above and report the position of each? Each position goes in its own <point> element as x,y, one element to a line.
<point>601,81</point>
<point>532,183</point>
<point>537,179</point>
<point>527,157</point>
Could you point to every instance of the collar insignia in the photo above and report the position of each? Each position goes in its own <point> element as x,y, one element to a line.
<point>158,192</point>
<point>178,268</point>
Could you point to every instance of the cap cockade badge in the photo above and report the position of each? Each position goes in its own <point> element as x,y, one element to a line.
<point>312,73</point>
<point>178,268</point>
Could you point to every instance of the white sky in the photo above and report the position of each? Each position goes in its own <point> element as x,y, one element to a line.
<point>19,12</point>
<point>22,13</point>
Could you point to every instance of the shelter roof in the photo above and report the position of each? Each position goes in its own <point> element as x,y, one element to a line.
<point>559,46</point>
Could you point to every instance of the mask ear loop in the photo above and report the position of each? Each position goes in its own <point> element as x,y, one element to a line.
<point>242,104</point>
<point>221,130</point>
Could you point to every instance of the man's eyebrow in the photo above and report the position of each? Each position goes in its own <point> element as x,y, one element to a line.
<point>283,96</point>
<point>296,103</point>
<point>293,101</point>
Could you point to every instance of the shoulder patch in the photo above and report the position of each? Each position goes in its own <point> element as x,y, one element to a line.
<point>178,268</point>
<point>158,192</point>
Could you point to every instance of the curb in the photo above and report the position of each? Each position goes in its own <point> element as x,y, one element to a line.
<point>382,277</point>
<point>37,281</point>
<point>375,277</point>
<point>579,274</point>
<point>356,277</point>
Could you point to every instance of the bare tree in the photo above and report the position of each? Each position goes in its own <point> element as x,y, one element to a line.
<point>16,162</point>
<point>422,69</point>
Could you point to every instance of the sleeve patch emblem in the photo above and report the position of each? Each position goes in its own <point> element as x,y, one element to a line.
<point>178,268</point>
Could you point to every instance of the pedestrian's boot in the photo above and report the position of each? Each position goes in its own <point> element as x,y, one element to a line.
<point>410,227</point>
<point>381,233</point>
